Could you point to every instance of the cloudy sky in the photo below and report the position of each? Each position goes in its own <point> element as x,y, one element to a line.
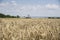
<point>31,7</point>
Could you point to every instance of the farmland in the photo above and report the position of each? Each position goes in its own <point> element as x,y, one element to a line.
<point>29,29</point>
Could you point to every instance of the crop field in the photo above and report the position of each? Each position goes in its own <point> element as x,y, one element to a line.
<point>29,29</point>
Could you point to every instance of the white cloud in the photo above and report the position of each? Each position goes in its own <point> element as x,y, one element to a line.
<point>52,6</point>
<point>13,2</point>
<point>29,9</point>
<point>4,4</point>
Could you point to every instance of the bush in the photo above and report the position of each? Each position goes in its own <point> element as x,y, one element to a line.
<point>8,16</point>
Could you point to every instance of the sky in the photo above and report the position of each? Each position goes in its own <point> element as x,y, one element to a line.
<point>30,7</point>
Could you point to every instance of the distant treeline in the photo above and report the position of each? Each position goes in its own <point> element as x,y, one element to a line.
<point>53,17</point>
<point>8,16</point>
<point>28,16</point>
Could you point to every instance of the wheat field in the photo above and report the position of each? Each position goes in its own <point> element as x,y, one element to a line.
<point>29,29</point>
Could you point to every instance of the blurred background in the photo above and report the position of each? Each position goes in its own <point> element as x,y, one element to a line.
<point>33,8</point>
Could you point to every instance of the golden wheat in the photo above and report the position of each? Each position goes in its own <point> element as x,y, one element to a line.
<point>29,29</point>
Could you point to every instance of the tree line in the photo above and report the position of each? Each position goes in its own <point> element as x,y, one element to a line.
<point>53,17</point>
<point>8,16</point>
<point>28,16</point>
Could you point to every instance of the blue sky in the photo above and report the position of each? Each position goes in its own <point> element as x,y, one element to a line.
<point>31,7</point>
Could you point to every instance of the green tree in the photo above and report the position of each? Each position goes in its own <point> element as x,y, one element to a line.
<point>2,15</point>
<point>28,16</point>
<point>7,16</point>
<point>18,16</point>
